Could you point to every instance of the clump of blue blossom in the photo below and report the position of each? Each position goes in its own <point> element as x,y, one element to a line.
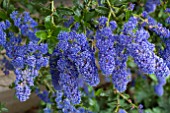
<point>26,59</point>
<point>150,5</point>
<point>75,64</point>
<point>105,44</point>
<point>74,60</point>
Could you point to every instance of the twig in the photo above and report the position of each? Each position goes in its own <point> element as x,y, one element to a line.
<point>52,10</point>
<point>128,100</point>
<point>118,104</point>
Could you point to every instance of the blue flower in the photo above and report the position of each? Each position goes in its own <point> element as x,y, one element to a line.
<point>122,111</point>
<point>69,22</point>
<point>54,71</point>
<point>161,68</point>
<point>18,62</point>
<point>121,75</point>
<point>22,92</point>
<point>157,27</point>
<point>107,63</point>
<point>129,26</point>
<point>7,66</point>
<point>47,110</point>
<point>26,59</point>
<point>31,61</point>
<point>105,44</point>
<point>41,62</point>
<point>113,25</point>
<point>140,110</point>
<point>150,6</point>
<point>102,21</point>
<point>159,90</point>
<point>167,10</point>
<point>2,34</point>
<point>168,20</point>
<point>87,68</point>
<point>131,6</point>
<point>26,24</point>
<point>143,57</point>
<point>44,95</point>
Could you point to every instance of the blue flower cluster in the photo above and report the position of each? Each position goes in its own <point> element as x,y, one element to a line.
<point>167,10</point>
<point>26,59</point>
<point>148,62</point>
<point>155,26</point>
<point>105,44</point>
<point>142,52</point>
<point>121,75</point>
<point>114,51</point>
<point>3,26</point>
<point>25,24</point>
<point>70,23</point>
<point>47,110</point>
<point>162,73</point>
<point>131,6</point>
<point>161,64</point>
<point>150,5</point>
<point>140,108</point>
<point>168,19</point>
<point>66,106</point>
<point>6,65</point>
<point>72,61</point>
<point>43,95</point>
<point>112,57</point>
<point>129,26</point>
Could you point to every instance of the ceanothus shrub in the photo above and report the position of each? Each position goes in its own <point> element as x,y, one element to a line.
<point>74,51</point>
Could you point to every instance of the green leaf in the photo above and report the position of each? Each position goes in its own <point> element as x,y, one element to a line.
<point>77,19</point>
<point>42,8</point>
<point>153,77</point>
<point>4,109</point>
<point>128,14</point>
<point>89,15</point>
<point>48,22</point>
<point>58,29</point>
<point>65,11</point>
<point>120,17</point>
<point>52,41</point>
<point>92,102</point>
<point>77,12</point>
<point>161,13</point>
<point>102,1</point>
<point>98,92</point>
<point>3,15</point>
<point>112,104</point>
<point>41,34</point>
<point>157,110</point>
<point>127,96</point>
<point>102,10</point>
<point>76,2</point>
<point>86,1</point>
<point>94,105</point>
<point>5,4</point>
